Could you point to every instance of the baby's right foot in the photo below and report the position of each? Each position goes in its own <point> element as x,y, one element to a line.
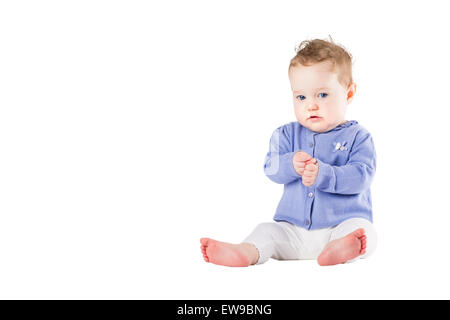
<point>344,249</point>
<point>227,254</point>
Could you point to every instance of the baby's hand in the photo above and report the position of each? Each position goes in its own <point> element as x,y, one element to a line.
<point>310,172</point>
<point>299,161</point>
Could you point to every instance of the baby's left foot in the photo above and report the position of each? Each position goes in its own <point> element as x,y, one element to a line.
<point>344,249</point>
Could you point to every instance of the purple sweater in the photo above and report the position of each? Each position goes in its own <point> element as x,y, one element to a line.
<point>347,161</point>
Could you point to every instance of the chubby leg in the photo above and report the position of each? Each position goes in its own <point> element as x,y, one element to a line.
<point>351,240</point>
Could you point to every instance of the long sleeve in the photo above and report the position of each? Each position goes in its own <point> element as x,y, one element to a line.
<point>278,162</point>
<point>354,177</point>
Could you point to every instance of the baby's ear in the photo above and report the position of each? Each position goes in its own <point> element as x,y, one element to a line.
<point>351,90</point>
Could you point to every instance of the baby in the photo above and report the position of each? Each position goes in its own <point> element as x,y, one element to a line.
<point>326,164</point>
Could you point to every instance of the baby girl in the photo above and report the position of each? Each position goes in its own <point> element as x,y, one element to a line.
<point>326,165</point>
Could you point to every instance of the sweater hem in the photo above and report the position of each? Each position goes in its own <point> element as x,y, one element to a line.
<point>315,226</point>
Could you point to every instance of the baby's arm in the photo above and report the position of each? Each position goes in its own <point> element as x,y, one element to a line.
<point>354,177</point>
<point>278,165</point>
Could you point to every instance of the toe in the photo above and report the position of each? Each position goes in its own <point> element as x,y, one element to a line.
<point>359,232</point>
<point>204,241</point>
<point>363,244</point>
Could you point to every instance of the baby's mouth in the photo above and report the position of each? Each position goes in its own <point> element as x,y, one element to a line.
<point>314,117</point>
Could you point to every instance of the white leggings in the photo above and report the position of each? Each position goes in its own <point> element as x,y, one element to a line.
<point>286,241</point>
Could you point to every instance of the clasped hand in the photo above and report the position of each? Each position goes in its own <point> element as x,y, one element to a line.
<point>306,166</point>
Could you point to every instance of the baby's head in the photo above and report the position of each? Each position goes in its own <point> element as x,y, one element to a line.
<point>322,84</point>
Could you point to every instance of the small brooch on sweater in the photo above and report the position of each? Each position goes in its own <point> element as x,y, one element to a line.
<point>339,146</point>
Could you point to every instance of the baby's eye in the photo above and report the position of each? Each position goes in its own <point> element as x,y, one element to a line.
<point>301,97</point>
<point>323,95</point>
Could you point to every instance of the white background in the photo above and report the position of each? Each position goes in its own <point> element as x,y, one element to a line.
<point>130,129</point>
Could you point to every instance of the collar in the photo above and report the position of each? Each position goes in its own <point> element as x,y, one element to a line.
<point>339,127</point>
<point>345,125</point>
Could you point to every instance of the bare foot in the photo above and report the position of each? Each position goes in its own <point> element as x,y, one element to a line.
<point>227,254</point>
<point>343,249</point>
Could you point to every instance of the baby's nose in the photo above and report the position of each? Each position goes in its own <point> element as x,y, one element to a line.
<point>313,106</point>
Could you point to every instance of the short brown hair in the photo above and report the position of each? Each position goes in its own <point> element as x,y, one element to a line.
<point>317,50</point>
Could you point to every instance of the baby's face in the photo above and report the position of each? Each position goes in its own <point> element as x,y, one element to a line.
<point>320,101</point>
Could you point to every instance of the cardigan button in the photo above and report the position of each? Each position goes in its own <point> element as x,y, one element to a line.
<point>310,194</point>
